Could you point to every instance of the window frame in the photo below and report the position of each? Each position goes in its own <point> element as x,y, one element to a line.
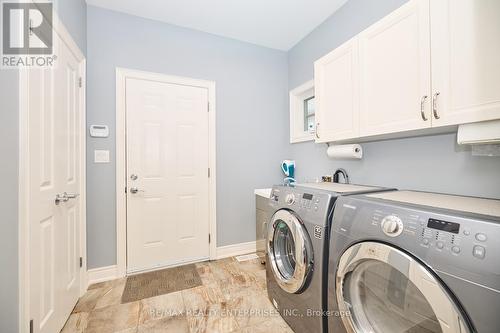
<point>298,98</point>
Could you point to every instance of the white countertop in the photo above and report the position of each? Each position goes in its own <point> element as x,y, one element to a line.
<point>263,192</point>
<point>339,187</point>
<point>465,204</point>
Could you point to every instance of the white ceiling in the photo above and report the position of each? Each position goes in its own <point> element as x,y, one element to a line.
<point>277,24</point>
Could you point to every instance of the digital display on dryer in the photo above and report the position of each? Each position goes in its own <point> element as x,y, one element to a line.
<point>307,196</point>
<point>443,226</point>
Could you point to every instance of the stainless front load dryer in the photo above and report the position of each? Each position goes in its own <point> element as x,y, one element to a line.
<point>297,245</point>
<point>414,262</point>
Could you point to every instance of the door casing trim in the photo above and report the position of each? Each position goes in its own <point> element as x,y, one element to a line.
<point>121,208</point>
<point>24,249</point>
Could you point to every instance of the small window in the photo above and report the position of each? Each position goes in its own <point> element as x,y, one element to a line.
<point>302,113</point>
<point>309,124</point>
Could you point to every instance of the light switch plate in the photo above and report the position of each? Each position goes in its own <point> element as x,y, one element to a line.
<point>101,156</point>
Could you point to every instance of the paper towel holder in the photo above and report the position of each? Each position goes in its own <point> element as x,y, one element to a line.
<point>346,151</point>
<point>328,144</point>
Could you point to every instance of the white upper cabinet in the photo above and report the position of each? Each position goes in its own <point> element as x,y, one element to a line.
<point>428,64</point>
<point>465,38</point>
<point>336,78</point>
<point>395,82</point>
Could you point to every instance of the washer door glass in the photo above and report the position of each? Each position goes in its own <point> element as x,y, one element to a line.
<point>290,252</point>
<point>284,250</point>
<point>385,290</point>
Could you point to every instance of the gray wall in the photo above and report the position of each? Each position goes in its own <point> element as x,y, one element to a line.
<point>251,115</point>
<point>9,143</point>
<point>73,15</point>
<point>432,163</point>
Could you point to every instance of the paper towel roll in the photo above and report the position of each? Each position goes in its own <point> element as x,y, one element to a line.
<point>345,152</point>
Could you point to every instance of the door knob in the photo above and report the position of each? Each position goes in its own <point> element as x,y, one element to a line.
<point>71,195</point>
<point>134,190</point>
<point>65,197</point>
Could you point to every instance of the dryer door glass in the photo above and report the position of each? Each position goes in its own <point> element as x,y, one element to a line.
<point>385,290</point>
<point>290,251</point>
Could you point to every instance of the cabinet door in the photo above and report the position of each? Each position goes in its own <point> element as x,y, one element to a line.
<point>337,93</point>
<point>395,71</point>
<point>465,38</point>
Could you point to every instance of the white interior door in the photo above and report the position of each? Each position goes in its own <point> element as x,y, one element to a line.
<point>395,71</point>
<point>465,38</point>
<point>167,174</point>
<point>55,164</point>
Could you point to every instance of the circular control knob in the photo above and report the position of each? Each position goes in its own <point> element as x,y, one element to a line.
<point>392,226</point>
<point>440,245</point>
<point>290,199</point>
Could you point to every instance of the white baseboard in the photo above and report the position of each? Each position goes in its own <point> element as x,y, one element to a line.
<point>101,274</point>
<point>239,249</point>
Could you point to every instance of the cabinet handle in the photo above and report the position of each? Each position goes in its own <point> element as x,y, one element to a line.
<point>434,105</point>
<point>317,131</point>
<point>422,108</point>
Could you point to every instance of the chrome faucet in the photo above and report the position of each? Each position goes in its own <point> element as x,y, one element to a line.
<point>344,174</point>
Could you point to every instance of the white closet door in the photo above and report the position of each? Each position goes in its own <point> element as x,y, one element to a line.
<point>336,78</point>
<point>54,146</point>
<point>465,60</point>
<point>167,174</point>
<point>395,71</point>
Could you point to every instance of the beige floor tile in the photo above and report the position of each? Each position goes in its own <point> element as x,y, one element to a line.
<point>113,295</point>
<point>269,326</point>
<point>260,280</point>
<point>89,300</point>
<point>205,271</point>
<point>128,330</point>
<point>76,323</point>
<point>216,318</point>
<point>114,318</point>
<point>233,298</point>
<point>253,265</point>
<point>104,284</point>
<point>200,298</point>
<point>163,306</point>
<point>174,324</point>
<point>252,309</point>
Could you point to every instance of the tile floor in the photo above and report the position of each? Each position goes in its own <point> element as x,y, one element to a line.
<point>233,298</point>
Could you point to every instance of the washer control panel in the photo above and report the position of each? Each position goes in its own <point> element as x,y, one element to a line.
<point>300,200</point>
<point>307,203</point>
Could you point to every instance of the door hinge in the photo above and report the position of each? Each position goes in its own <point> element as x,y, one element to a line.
<point>31,326</point>
<point>208,107</point>
<point>80,82</point>
<point>81,262</point>
<point>209,239</point>
<point>125,189</point>
<point>208,172</point>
